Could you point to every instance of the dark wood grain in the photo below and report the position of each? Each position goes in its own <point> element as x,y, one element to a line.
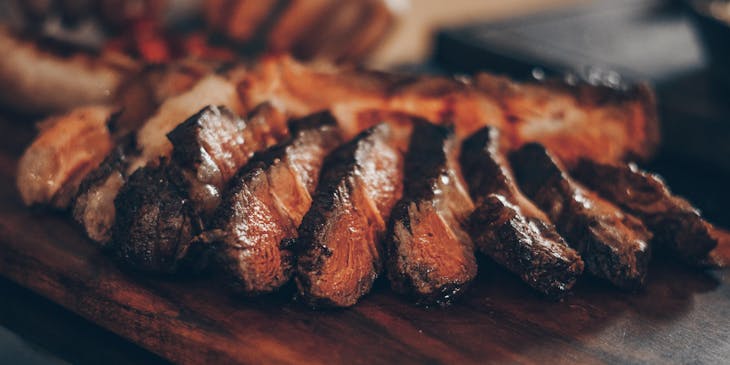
<point>681,317</point>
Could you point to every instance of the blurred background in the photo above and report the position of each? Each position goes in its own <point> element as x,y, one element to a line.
<point>681,47</point>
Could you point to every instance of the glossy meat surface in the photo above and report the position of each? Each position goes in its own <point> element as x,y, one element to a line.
<point>257,222</point>
<point>677,226</point>
<point>507,227</point>
<point>212,145</point>
<point>430,256</point>
<point>339,245</point>
<point>613,244</point>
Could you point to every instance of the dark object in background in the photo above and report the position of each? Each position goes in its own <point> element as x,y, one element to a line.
<point>712,18</point>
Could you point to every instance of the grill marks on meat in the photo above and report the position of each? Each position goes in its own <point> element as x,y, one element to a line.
<point>147,217</point>
<point>67,148</point>
<point>677,226</point>
<point>261,211</point>
<point>212,145</point>
<point>613,244</point>
<point>339,239</point>
<point>430,256</point>
<point>509,228</point>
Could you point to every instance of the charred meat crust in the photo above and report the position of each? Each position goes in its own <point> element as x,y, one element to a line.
<point>154,220</point>
<point>339,248</point>
<point>430,256</point>
<point>214,143</point>
<point>613,244</point>
<point>93,206</point>
<point>257,222</point>
<point>677,226</point>
<point>506,227</point>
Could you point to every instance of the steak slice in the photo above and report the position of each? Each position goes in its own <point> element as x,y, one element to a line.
<point>613,244</point>
<point>677,226</point>
<point>509,228</point>
<point>339,245</point>
<point>261,211</point>
<point>147,216</point>
<point>213,144</point>
<point>430,255</point>
<point>154,219</point>
<point>93,207</point>
<point>67,148</point>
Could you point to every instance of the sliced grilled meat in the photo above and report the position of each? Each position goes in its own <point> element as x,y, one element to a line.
<point>189,189</point>
<point>509,228</point>
<point>677,226</point>
<point>262,209</point>
<point>67,148</point>
<point>93,207</point>
<point>430,256</point>
<point>339,245</point>
<point>154,219</point>
<point>213,144</point>
<point>613,244</point>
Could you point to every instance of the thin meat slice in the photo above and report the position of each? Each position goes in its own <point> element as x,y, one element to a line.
<point>257,222</point>
<point>339,245</point>
<point>67,148</point>
<point>147,217</point>
<point>677,226</point>
<point>430,255</point>
<point>613,244</point>
<point>508,227</point>
<point>212,145</point>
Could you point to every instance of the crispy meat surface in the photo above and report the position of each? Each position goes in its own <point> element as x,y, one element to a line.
<point>215,143</point>
<point>677,226</point>
<point>257,222</point>
<point>154,220</point>
<point>339,244</point>
<point>66,149</point>
<point>613,244</point>
<point>577,121</point>
<point>430,255</point>
<point>509,228</point>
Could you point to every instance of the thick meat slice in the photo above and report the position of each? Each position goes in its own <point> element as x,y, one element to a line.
<point>93,207</point>
<point>265,204</point>
<point>677,226</point>
<point>509,228</point>
<point>430,256</point>
<point>339,239</point>
<point>152,137</point>
<point>213,144</point>
<point>67,148</point>
<point>154,220</point>
<point>576,121</point>
<point>613,244</point>
<point>228,145</point>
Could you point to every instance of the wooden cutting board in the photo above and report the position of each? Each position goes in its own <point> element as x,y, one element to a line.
<point>681,317</point>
